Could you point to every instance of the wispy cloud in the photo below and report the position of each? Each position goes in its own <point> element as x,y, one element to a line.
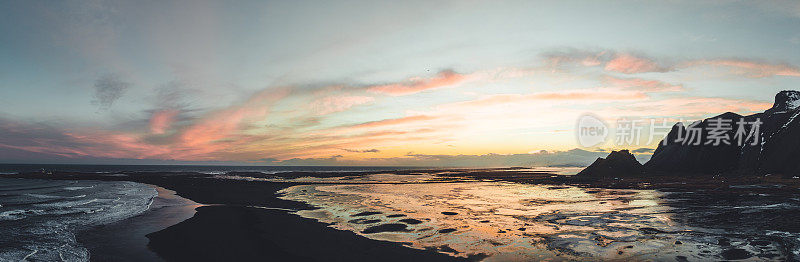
<point>687,106</point>
<point>635,63</point>
<point>373,150</point>
<point>631,64</point>
<point>640,84</point>
<point>162,120</point>
<point>608,60</point>
<point>415,85</point>
<point>333,104</point>
<point>748,68</point>
<point>394,121</point>
<point>221,124</point>
<point>583,95</point>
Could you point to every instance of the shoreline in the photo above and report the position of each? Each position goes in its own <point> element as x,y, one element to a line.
<point>247,220</point>
<point>235,214</point>
<point>126,240</point>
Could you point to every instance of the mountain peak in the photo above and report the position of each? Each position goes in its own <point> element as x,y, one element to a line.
<point>775,152</point>
<point>618,164</point>
<point>786,100</point>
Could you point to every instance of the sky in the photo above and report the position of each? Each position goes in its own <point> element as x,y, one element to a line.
<point>424,83</point>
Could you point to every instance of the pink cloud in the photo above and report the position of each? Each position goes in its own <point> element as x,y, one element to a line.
<point>162,120</point>
<point>224,123</point>
<point>416,85</point>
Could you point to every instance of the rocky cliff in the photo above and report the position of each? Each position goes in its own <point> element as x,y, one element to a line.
<point>772,148</point>
<point>777,150</point>
<point>618,164</point>
<point>686,154</point>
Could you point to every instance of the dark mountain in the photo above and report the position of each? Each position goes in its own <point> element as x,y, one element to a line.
<point>776,151</point>
<point>773,147</point>
<point>779,152</point>
<point>687,152</point>
<point>618,164</point>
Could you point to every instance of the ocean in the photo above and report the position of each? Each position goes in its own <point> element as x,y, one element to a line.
<point>39,218</point>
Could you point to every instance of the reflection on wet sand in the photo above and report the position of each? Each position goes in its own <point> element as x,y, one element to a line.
<point>503,221</point>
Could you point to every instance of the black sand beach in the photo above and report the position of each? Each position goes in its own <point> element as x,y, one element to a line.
<point>126,241</point>
<point>221,233</point>
<point>245,220</point>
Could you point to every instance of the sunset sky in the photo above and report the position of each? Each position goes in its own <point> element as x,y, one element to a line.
<point>373,83</point>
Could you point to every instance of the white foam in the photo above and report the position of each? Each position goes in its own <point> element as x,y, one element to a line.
<point>72,188</point>
<point>45,231</point>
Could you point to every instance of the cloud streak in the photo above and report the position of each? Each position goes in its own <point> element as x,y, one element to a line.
<point>748,68</point>
<point>631,63</point>
<point>373,150</point>
<point>415,85</point>
<point>334,104</point>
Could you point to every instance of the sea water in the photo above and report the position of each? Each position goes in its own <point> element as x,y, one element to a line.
<point>39,218</point>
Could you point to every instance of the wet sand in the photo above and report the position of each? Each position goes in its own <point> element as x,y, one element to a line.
<point>231,233</point>
<point>125,240</point>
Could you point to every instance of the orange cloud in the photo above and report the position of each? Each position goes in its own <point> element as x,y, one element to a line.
<point>416,85</point>
<point>629,64</point>
<point>162,120</point>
